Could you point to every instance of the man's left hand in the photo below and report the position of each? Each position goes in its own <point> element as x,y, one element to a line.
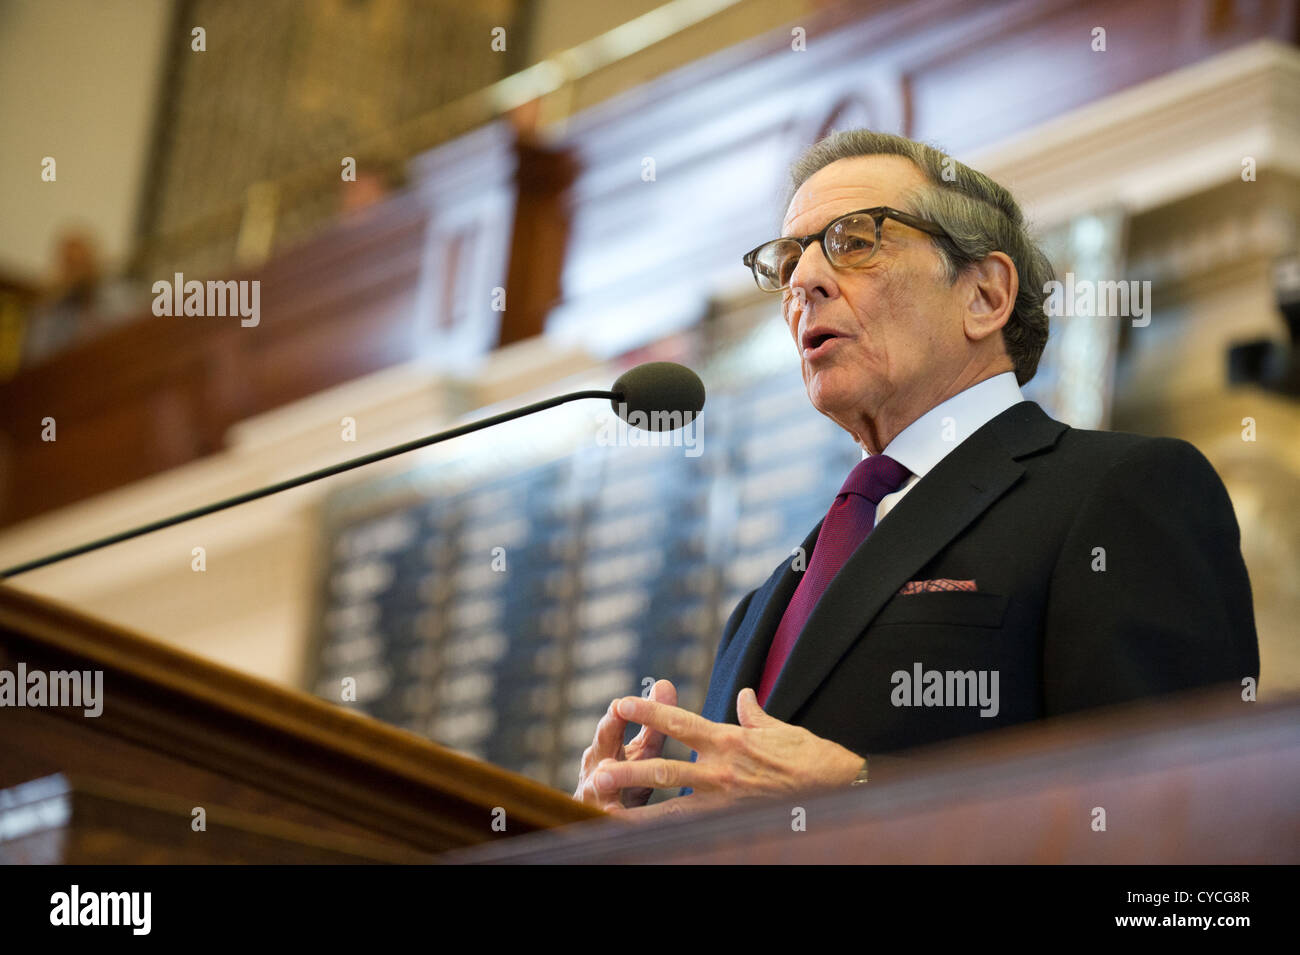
<point>761,757</point>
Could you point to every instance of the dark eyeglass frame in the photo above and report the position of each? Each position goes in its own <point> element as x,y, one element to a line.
<point>878,214</point>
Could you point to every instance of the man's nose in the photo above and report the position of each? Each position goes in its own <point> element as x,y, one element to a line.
<point>813,274</point>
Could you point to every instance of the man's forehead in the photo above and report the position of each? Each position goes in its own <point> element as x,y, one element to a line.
<point>846,185</point>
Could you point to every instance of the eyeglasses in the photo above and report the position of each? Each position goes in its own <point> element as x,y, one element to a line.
<point>848,241</point>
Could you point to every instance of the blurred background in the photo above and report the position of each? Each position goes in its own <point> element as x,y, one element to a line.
<point>452,209</point>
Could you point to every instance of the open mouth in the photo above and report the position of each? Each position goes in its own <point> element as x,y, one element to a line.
<point>818,341</point>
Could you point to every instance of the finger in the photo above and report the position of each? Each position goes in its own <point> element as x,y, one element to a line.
<point>682,725</point>
<point>649,743</point>
<point>651,773</point>
<point>608,741</point>
<point>610,797</point>
<point>588,794</point>
<point>748,711</point>
<point>664,692</point>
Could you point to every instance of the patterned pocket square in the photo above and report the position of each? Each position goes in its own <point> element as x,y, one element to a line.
<point>930,586</point>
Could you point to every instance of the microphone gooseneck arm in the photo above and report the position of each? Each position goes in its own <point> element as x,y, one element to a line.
<point>308,478</point>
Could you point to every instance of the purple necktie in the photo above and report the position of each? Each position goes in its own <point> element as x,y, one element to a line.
<point>850,519</point>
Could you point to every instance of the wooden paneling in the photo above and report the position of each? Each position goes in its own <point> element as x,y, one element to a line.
<point>57,820</point>
<point>538,244</point>
<point>157,392</point>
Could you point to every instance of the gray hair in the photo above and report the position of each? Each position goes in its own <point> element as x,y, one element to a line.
<point>979,215</point>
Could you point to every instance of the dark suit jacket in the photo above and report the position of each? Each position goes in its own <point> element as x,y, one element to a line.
<point>1019,507</point>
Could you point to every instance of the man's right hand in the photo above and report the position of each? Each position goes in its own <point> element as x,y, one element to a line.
<point>608,744</point>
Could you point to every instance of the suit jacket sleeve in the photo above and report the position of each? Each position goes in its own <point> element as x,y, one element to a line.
<point>1172,607</point>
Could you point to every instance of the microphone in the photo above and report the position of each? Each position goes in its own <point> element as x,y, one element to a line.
<point>649,396</point>
<point>658,396</point>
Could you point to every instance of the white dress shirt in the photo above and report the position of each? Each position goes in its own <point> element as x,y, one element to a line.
<point>927,440</point>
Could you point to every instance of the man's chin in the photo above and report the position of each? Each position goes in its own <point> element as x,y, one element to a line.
<point>833,404</point>
<point>837,401</point>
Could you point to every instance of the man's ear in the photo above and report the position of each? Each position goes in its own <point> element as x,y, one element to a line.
<point>993,286</point>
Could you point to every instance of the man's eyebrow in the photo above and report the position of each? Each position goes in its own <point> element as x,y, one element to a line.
<point>829,219</point>
<point>800,235</point>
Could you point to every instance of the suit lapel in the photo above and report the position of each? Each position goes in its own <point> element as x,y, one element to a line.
<point>943,503</point>
<point>741,663</point>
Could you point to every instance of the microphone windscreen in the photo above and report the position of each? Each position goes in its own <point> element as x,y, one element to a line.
<point>658,396</point>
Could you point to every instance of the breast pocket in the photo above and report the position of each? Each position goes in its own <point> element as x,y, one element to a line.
<point>956,608</point>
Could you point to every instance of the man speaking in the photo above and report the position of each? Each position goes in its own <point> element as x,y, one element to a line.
<point>984,565</point>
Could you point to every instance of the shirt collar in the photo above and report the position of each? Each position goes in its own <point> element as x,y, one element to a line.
<point>927,440</point>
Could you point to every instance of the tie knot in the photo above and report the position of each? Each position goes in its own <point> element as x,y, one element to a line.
<point>874,477</point>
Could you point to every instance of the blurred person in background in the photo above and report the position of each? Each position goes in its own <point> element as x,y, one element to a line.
<point>79,303</point>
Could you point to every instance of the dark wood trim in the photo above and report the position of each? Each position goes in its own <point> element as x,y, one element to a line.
<point>346,766</point>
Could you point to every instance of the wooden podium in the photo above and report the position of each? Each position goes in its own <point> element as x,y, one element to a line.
<point>280,775</point>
